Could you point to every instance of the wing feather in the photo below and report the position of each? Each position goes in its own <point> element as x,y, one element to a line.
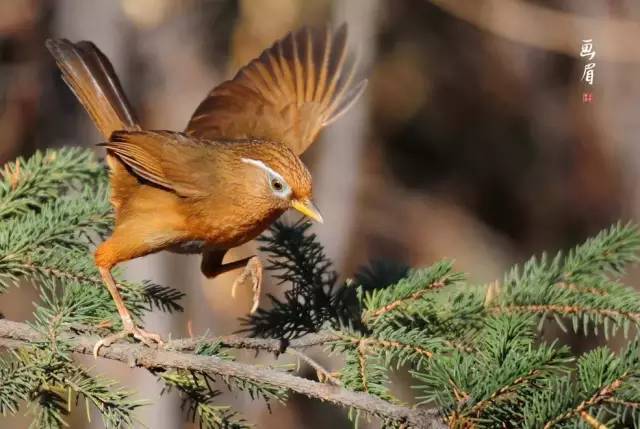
<point>154,155</point>
<point>288,94</point>
<point>322,78</point>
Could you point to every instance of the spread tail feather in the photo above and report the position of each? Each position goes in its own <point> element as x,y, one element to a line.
<point>92,79</point>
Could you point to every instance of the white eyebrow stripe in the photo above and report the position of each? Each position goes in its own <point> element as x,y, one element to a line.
<point>264,167</point>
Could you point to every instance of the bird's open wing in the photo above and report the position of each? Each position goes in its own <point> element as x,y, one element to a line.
<point>167,159</point>
<point>299,85</point>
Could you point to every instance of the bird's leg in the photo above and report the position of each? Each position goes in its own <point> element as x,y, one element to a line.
<point>212,266</point>
<point>253,269</point>
<point>129,328</point>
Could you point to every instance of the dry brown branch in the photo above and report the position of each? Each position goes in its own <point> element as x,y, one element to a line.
<point>321,372</point>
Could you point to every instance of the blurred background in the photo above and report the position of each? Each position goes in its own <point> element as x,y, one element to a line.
<point>477,138</point>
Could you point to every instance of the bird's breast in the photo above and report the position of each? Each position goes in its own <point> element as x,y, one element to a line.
<point>225,228</point>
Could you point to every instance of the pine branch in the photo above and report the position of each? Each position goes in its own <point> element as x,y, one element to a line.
<point>297,258</point>
<point>484,385</point>
<point>409,291</point>
<point>581,410</point>
<point>606,391</point>
<point>18,335</point>
<point>50,381</point>
<point>27,185</point>
<point>48,410</point>
<point>16,383</point>
<point>65,225</point>
<point>399,346</point>
<point>580,285</point>
<point>78,267</point>
<point>116,409</point>
<point>271,345</point>
<point>474,352</point>
<point>569,310</point>
<point>197,397</point>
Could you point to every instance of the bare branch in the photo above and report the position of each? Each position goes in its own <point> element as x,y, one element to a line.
<point>258,344</point>
<point>15,335</point>
<point>321,372</point>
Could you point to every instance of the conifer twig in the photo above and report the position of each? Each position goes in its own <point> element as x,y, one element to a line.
<point>15,335</point>
<point>567,309</point>
<point>368,342</point>
<point>321,372</point>
<point>581,410</point>
<point>413,297</point>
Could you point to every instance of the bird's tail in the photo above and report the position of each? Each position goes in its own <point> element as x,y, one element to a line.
<point>92,79</point>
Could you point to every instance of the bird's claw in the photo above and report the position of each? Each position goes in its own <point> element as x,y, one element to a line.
<point>253,269</point>
<point>149,338</point>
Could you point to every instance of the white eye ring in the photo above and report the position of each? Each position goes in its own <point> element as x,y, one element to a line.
<point>277,183</point>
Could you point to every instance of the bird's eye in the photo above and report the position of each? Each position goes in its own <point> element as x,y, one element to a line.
<point>277,185</point>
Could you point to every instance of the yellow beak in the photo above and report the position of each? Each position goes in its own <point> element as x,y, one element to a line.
<point>307,208</point>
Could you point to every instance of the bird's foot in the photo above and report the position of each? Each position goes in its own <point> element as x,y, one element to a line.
<point>253,269</point>
<point>149,338</point>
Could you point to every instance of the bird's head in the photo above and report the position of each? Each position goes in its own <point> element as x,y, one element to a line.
<point>278,178</point>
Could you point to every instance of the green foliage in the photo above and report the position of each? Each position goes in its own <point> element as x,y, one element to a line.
<point>198,395</point>
<point>406,296</point>
<point>52,383</point>
<point>363,372</point>
<point>53,207</point>
<point>298,259</point>
<point>475,353</point>
<point>28,185</point>
<point>16,384</point>
<point>488,385</point>
<point>198,392</point>
<point>605,387</point>
<point>581,286</point>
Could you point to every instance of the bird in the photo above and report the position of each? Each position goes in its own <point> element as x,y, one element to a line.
<point>234,169</point>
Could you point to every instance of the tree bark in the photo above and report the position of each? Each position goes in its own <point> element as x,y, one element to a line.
<point>15,335</point>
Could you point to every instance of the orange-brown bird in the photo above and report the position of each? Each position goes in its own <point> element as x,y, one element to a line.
<point>231,173</point>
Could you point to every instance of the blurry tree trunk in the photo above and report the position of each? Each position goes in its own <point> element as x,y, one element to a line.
<point>344,147</point>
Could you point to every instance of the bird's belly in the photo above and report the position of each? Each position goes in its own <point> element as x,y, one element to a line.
<point>188,247</point>
<point>237,235</point>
